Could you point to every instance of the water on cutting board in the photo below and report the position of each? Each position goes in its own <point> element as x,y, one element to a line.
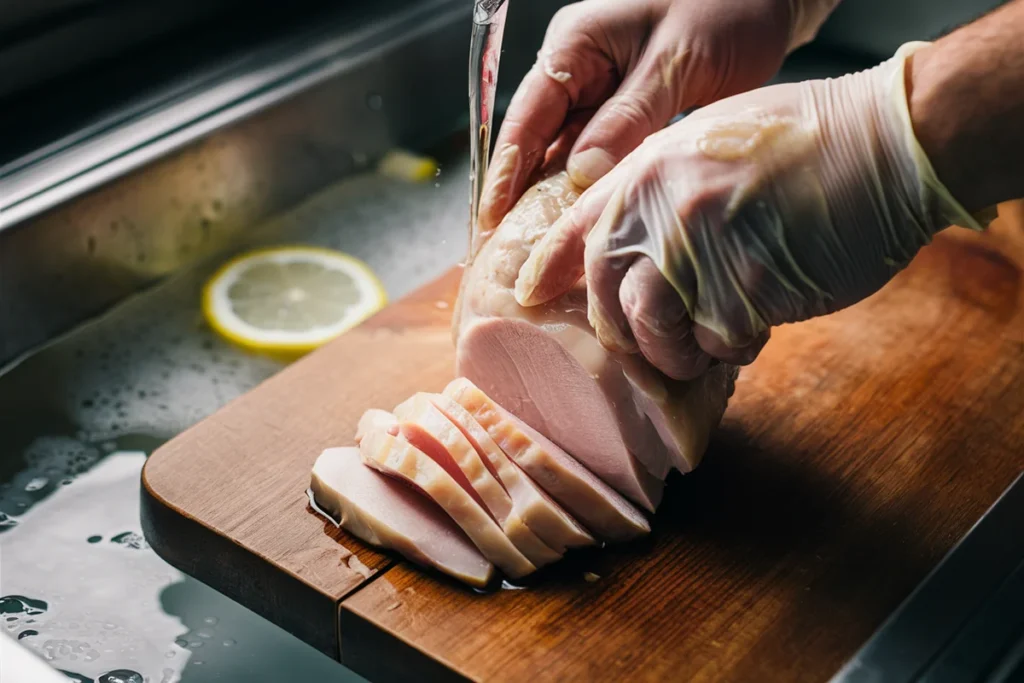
<point>78,583</point>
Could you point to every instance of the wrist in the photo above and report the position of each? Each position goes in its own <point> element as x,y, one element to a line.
<point>965,94</point>
<point>942,124</point>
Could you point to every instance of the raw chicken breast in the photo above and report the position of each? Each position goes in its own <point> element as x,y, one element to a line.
<point>601,509</point>
<point>424,426</point>
<point>388,514</point>
<point>543,516</point>
<point>393,455</point>
<point>615,413</point>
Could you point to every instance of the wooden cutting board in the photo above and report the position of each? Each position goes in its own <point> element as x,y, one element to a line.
<point>856,451</point>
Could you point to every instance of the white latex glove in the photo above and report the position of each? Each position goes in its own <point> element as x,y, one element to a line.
<point>612,72</point>
<point>770,207</point>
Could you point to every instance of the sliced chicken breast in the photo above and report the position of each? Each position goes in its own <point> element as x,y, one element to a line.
<point>393,455</point>
<point>424,426</point>
<point>386,513</point>
<point>603,511</point>
<point>553,525</point>
<point>420,419</point>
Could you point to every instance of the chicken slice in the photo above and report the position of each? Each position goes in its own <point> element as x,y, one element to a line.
<point>391,454</point>
<point>628,423</point>
<point>375,418</point>
<point>388,514</point>
<point>543,516</point>
<point>602,510</point>
<point>424,426</point>
<point>422,423</point>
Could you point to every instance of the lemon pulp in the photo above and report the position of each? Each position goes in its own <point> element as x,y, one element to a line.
<point>290,299</point>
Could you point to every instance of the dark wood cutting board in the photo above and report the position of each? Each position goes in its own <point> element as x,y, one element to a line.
<point>856,451</point>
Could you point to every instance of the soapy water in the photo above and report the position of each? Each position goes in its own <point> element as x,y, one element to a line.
<point>78,417</point>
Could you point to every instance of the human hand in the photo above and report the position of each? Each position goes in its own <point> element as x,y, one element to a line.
<point>770,207</point>
<point>610,73</point>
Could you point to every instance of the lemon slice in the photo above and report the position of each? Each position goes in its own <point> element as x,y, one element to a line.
<point>407,166</point>
<point>290,299</point>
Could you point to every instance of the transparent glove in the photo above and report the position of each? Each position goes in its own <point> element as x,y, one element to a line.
<point>611,72</point>
<point>774,206</point>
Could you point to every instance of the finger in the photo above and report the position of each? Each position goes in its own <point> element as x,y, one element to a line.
<point>605,271</point>
<point>660,322</point>
<point>742,354</point>
<point>531,124</point>
<point>556,262</point>
<point>558,152</point>
<point>643,104</point>
<point>535,117</point>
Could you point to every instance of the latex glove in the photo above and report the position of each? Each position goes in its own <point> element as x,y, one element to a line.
<point>619,71</point>
<point>770,207</point>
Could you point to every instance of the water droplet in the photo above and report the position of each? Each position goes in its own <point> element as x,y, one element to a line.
<point>7,522</point>
<point>212,621</point>
<point>203,633</point>
<point>443,305</point>
<point>27,633</point>
<point>229,643</point>
<point>121,676</point>
<point>374,101</point>
<point>19,604</point>
<point>181,642</point>
<point>94,539</point>
<point>130,539</point>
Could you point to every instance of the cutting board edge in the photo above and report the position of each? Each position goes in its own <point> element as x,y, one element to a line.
<point>363,637</point>
<point>161,521</point>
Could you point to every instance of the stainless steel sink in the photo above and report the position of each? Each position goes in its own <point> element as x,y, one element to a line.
<point>106,237</point>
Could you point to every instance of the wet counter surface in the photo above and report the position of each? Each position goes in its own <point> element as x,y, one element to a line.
<point>80,585</point>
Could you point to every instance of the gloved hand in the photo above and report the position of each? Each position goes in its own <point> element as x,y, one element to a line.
<point>619,71</point>
<point>770,207</point>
